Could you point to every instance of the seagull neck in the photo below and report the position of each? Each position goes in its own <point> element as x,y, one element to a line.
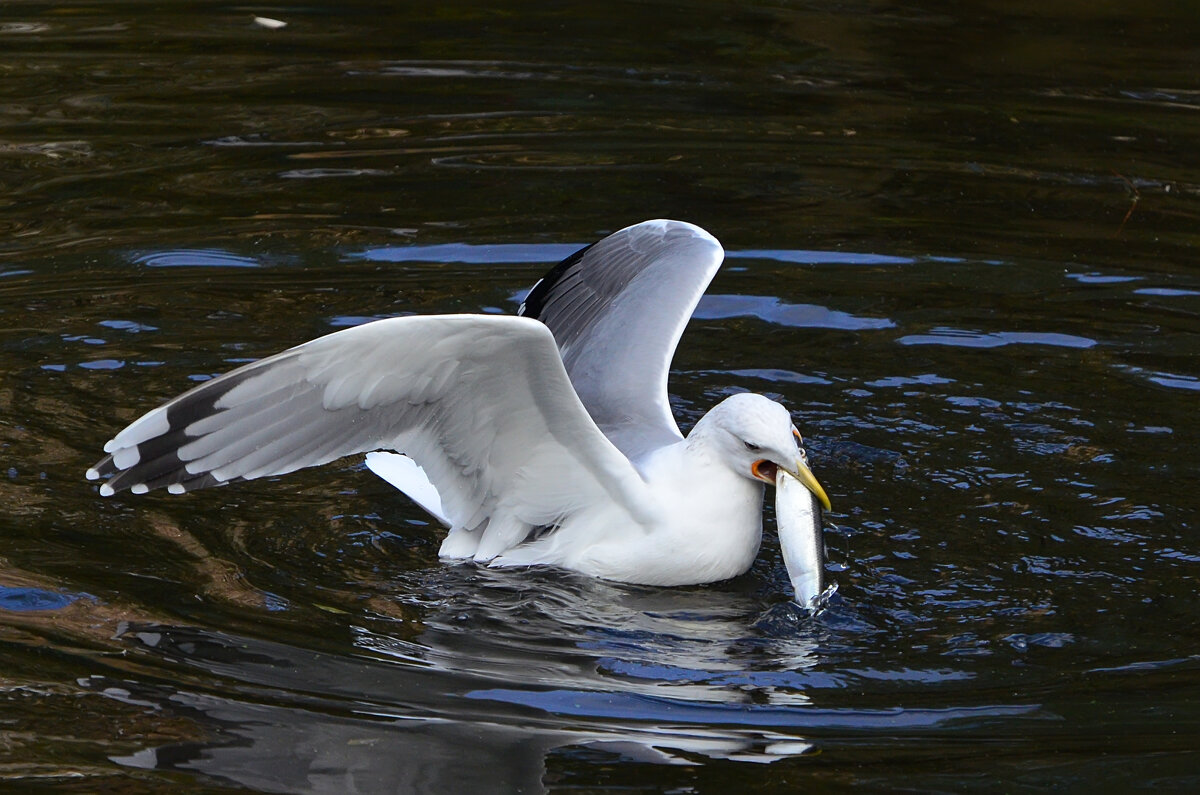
<point>704,450</point>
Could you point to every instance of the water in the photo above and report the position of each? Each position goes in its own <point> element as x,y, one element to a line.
<point>961,248</point>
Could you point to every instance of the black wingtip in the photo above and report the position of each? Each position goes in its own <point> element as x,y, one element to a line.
<point>155,462</point>
<point>535,302</point>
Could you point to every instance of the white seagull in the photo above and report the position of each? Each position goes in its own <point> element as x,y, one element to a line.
<point>541,439</point>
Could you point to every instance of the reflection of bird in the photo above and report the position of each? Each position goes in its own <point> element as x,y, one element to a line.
<point>545,442</point>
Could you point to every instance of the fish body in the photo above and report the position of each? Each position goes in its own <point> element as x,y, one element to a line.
<point>798,519</point>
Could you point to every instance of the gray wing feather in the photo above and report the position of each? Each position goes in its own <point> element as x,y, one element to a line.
<point>617,310</point>
<point>482,403</point>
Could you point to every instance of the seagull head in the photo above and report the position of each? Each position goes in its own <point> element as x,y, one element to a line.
<point>759,438</point>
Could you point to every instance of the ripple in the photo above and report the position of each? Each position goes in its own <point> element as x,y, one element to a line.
<point>777,311</point>
<point>53,150</point>
<point>638,707</point>
<point>776,376</point>
<point>1190,383</point>
<point>23,28</point>
<point>326,173</point>
<point>30,599</point>
<point>1113,534</point>
<point>925,379</point>
<point>253,141</point>
<point>1144,666</point>
<point>822,257</point>
<point>1175,554</point>
<point>472,253</point>
<point>1061,567</point>
<point>1151,429</point>
<point>1165,292</point>
<point>533,161</point>
<point>962,338</point>
<point>131,326</point>
<point>1045,640</point>
<point>477,70</point>
<point>1100,278</point>
<point>519,71</point>
<point>194,258</point>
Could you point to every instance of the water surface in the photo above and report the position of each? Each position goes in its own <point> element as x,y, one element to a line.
<point>960,247</point>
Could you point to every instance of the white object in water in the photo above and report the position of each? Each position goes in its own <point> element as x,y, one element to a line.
<point>798,519</point>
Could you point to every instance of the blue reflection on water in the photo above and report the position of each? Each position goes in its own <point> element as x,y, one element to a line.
<point>963,338</point>
<point>194,258</point>
<point>776,375</point>
<point>824,257</point>
<point>132,326</point>
<point>1100,278</point>
<point>637,706</point>
<point>774,310</point>
<point>468,252</point>
<point>1168,292</point>
<point>1163,378</point>
<point>29,599</point>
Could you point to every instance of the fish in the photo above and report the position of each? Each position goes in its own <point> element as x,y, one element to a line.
<point>801,538</point>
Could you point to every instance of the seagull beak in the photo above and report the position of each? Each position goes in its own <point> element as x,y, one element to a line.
<point>803,474</point>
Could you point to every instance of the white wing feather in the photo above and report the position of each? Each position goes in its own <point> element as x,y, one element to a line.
<point>407,476</point>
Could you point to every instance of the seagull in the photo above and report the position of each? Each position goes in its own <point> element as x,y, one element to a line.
<point>544,438</point>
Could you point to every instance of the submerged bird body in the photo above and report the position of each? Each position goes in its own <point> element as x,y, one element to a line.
<point>537,440</point>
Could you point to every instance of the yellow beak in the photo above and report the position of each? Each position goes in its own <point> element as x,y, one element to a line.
<point>805,476</point>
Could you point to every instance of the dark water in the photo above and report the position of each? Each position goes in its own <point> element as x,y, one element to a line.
<point>961,247</point>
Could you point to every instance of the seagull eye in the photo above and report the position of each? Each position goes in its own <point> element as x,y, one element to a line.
<point>751,446</point>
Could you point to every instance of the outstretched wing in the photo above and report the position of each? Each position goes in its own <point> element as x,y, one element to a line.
<point>617,310</point>
<point>482,403</point>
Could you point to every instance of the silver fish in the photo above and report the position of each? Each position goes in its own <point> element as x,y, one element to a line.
<point>798,518</point>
